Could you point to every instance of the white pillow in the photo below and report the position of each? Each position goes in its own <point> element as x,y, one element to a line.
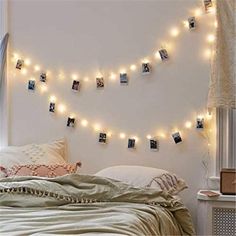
<point>140,176</point>
<point>48,153</point>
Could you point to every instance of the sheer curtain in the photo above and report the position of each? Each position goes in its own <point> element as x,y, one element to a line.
<point>222,90</point>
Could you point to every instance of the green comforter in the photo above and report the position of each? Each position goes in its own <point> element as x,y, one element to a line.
<point>83,204</point>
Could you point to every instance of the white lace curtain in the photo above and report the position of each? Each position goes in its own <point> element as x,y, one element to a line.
<point>3,56</point>
<point>222,90</point>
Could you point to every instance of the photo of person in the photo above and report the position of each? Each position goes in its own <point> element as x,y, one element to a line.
<point>19,64</point>
<point>70,122</point>
<point>102,138</point>
<point>131,143</point>
<point>31,85</point>
<point>154,144</point>
<point>123,78</point>
<point>192,22</point>
<point>43,77</point>
<point>208,5</point>
<point>146,68</point>
<point>52,107</point>
<point>177,138</point>
<point>163,54</point>
<point>75,85</point>
<point>100,82</point>
<point>200,123</point>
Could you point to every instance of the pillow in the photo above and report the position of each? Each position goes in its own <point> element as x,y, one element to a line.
<point>48,153</point>
<point>41,170</point>
<point>140,176</point>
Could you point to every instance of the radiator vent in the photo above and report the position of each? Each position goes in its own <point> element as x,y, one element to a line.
<point>224,221</point>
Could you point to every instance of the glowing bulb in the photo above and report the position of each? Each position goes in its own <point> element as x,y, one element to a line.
<point>200,116</point>
<point>216,24</point>
<point>84,123</point>
<point>208,144</point>
<point>208,115</point>
<point>188,124</point>
<point>207,53</point>
<point>15,55</point>
<point>24,71</point>
<point>97,127</point>
<point>162,135</point>
<point>37,68</point>
<point>72,115</point>
<point>52,98</point>
<point>122,135</point>
<point>198,12</point>
<point>27,62</point>
<point>112,76</point>
<point>157,55</point>
<point>136,138</point>
<point>86,79</point>
<point>61,108</point>
<point>185,23</point>
<point>148,136</point>
<point>174,32</point>
<point>43,88</point>
<point>145,60</point>
<point>109,134</point>
<point>133,67</point>
<point>210,38</point>
<point>74,76</point>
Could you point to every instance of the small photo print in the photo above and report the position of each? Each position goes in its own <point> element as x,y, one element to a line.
<point>177,138</point>
<point>123,78</point>
<point>163,54</point>
<point>70,122</point>
<point>131,143</point>
<point>146,68</point>
<point>75,85</point>
<point>43,77</point>
<point>52,107</point>
<point>192,22</point>
<point>31,85</point>
<point>100,82</point>
<point>102,138</point>
<point>19,64</point>
<point>208,5</point>
<point>200,123</point>
<point>154,144</point>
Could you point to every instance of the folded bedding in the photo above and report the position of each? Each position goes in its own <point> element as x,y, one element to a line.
<point>90,205</point>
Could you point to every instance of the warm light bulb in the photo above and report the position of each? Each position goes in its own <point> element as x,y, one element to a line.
<point>209,115</point>
<point>84,123</point>
<point>216,24</point>
<point>157,55</point>
<point>200,116</point>
<point>74,76</point>
<point>136,138</point>
<point>148,136</point>
<point>24,71</point>
<point>133,67</point>
<point>72,115</point>
<point>52,98</point>
<point>174,32</point>
<point>97,127</point>
<point>112,76</point>
<point>15,55</point>
<point>109,133</point>
<point>37,68</point>
<point>210,38</point>
<point>43,88</point>
<point>185,23</point>
<point>188,124</point>
<point>86,79</point>
<point>198,12</point>
<point>207,53</point>
<point>122,135</point>
<point>27,62</point>
<point>61,108</point>
<point>145,60</point>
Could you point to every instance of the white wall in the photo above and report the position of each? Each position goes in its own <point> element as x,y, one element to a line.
<point>87,36</point>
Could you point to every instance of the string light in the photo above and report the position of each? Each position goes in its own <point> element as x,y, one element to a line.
<point>207,53</point>
<point>216,24</point>
<point>112,76</point>
<point>86,79</point>
<point>97,127</point>
<point>52,98</point>
<point>37,68</point>
<point>188,124</point>
<point>43,88</point>
<point>24,71</point>
<point>133,67</point>
<point>74,76</point>
<point>174,32</point>
<point>109,134</point>
<point>27,62</point>
<point>210,38</point>
<point>84,123</point>
<point>148,136</point>
<point>61,108</point>
<point>198,12</point>
<point>185,23</point>
<point>122,135</point>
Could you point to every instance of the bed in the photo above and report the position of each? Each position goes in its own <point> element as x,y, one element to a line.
<point>42,194</point>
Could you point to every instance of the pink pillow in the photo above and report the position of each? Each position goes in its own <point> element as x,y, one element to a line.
<point>41,170</point>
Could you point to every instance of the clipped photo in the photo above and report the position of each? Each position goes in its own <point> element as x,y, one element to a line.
<point>75,85</point>
<point>163,54</point>
<point>123,78</point>
<point>31,85</point>
<point>177,137</point>
<point>100,82</point>
<point>192,23</point>
<point>19,64</point>
<point>70,122</point>
<point>102,138</point>
<point>52,107</point>
<point>154,144</point>
<point>200,123</point>
<point>43,77</point>
<point>131,143</point>
<point>208,5</point>
<point>146,68</point>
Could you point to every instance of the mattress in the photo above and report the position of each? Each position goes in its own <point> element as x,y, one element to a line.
<point>88,205</point>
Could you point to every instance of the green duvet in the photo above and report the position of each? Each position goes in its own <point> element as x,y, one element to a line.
<point>87,205</point>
